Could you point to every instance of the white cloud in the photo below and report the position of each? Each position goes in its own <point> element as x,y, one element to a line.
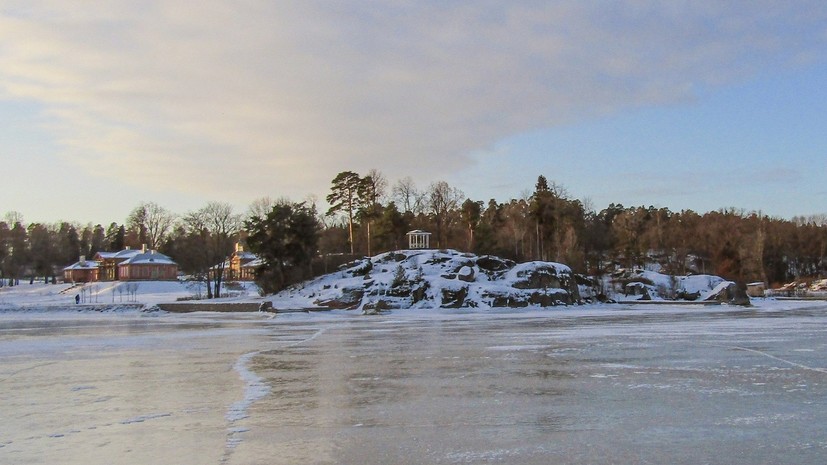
<point>182,94</point>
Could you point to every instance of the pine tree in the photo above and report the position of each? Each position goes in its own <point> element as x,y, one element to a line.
<point>344,197</point>
<point>286,241</point>
<point>471,214</point>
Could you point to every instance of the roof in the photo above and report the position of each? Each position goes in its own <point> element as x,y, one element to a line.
<point>245,259</point>
<point>254,263</point>
<point>149,258</point>
<point>225,264</point>
<point>106,255</point>
<point>127,253</point>
<point>246,255</point>
<point>84,265</point>
<point>418,232</point>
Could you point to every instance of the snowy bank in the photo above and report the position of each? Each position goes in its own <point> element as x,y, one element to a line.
<point>406,279</point>
<point>112,296</point>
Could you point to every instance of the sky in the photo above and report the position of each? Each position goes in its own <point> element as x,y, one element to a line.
<point>684,104</point>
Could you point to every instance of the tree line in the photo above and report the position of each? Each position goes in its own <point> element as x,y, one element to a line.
<point>368,215</point>
<point>547,224</point>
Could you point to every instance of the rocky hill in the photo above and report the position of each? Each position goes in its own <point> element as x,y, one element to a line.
<point>452,279</point>
<point>638,284</point>
<point>438,278</point>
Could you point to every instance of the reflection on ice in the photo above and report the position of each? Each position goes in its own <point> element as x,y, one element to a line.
<point>592,385</point>
<point>623,387</point>
<point>98,389</point>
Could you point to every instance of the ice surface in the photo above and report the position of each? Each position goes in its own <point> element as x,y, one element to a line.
<point>602,384</point>
<point>118,388</point>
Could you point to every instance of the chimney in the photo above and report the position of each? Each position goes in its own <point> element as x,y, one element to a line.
<point>143,248</point>
<point>82,260</point>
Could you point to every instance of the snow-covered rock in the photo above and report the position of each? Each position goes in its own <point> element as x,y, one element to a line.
<point>729,292</point>
<point>436,278</point>
<point>650,285</point>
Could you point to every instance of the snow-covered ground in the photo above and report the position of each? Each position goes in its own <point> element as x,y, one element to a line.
<point>146,294</point>
<point>40,296</point>
<point>400,280</point>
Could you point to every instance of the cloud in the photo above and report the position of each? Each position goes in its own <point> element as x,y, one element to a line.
<point>277,97</point>
<point>777,175</point>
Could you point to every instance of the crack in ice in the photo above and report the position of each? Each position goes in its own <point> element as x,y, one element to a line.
<point>789,362</point>
<point>255,388</point>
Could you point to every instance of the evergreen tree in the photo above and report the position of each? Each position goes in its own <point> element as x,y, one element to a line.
<point>41,250</point>
<point>115,237</point>
<point>344,197</point>
<point>486,238</point>
<point>471,214</point>
<point>68,244</point>
<point>98,240</point>
<point>5,235</point>
<point>369,191</point>
<point>286,241</point>
<point>391,228</point>
<point>18,253</point>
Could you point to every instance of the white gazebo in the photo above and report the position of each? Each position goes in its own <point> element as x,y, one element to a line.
<point>419,239</point>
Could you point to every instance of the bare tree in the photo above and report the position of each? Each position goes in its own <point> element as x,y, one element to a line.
<point>260,207</point>
<point>516,225</point>
<point>376,185</point>
<point>217,227</point>
<point>223,225</point>
<point>407,196</point>
<point>442,200</point>
<point>13,217</point>
<point>153,223</point>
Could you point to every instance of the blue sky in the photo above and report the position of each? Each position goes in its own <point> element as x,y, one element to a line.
<point>760,144</point>
<point>687,105</point>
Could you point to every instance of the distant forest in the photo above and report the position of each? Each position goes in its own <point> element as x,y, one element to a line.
<point>368,216</point>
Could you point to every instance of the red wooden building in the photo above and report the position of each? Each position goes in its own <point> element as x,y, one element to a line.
<point>149,266</point>
<point>82,271</point>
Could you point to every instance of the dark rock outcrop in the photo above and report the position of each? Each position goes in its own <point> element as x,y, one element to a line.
<point>732,293</point>
<point>447,279</point>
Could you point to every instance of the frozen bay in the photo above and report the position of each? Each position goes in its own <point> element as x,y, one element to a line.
<point>602,384</point>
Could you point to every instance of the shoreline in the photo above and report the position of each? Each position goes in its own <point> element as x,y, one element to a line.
<point>80,308</point>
